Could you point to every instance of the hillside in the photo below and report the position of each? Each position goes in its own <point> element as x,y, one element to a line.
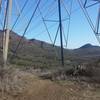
<point>88,50</point>
<point>41,54</point>
<point>35,54</point>
<point>36,72</point>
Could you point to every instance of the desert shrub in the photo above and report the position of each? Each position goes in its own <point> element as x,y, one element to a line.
<point>80,70</point>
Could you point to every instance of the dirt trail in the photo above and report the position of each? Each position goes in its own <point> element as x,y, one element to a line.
<point>34,88</point>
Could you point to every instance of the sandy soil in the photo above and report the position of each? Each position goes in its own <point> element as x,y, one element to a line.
<point>29,87</point>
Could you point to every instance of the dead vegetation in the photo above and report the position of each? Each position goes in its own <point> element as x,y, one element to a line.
<point>11,81</point>
<point>21,85</point>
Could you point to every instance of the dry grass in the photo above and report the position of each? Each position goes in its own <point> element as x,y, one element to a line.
<point>25,86</point>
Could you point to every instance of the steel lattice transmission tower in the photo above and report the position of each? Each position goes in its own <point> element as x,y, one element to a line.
<point>88,4</point>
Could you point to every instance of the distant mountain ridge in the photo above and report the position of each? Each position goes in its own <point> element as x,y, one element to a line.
<point>38,52</point>
<point>88,50</point>
<point>88,45</point>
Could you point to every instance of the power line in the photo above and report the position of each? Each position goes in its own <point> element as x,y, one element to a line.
<point>88,19</point>
<point>48,20</point>
<point>86,15</point>
<point>20,14</point>
<point>50,8</point>
<point>42,32</point>
<point>37,17</point>
<point>87,6</point>
<point>5,19</point>
<point>24,17</point>
<point>27,26</point>
<point>70,13</point>
<point>56,36</point>
<point>65,8</point>
<point>47,29</point>
<point>45,25</point>
<point>17,7</point>
<point>0,12</point>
